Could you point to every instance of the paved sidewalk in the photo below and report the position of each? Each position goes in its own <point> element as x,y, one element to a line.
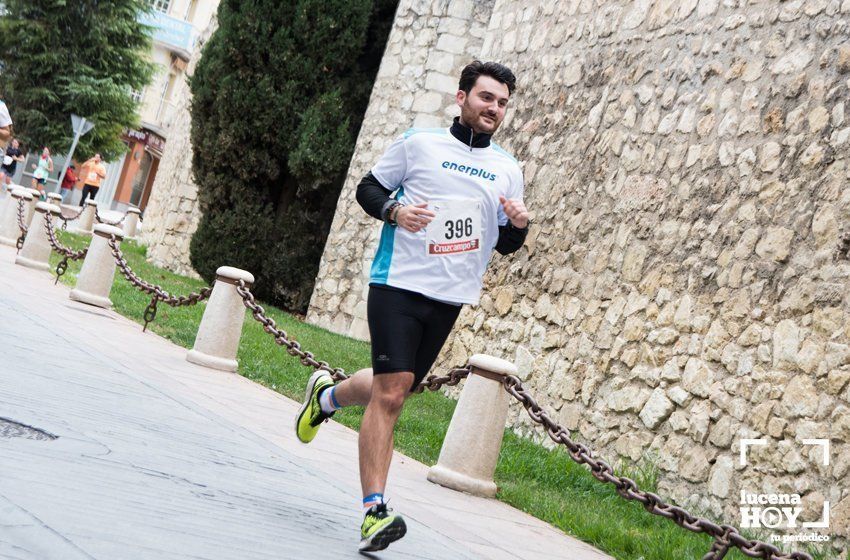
<point>112,446</point>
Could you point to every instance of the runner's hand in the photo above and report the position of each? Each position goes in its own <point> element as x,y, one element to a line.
<point>516,212</point>
<point>414,217</point>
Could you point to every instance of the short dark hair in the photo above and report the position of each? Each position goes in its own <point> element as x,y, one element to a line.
<point>469,75</point>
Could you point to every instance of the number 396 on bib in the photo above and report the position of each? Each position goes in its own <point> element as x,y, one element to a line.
<point>455,229</point>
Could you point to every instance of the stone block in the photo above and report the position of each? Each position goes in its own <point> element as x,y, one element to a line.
<point>721,477</point>
<point>657,409</point>
<point>775,244</point>
<point>698,377</point>
<point>800,398</point>
<point>441,83</point>
<point>694,465</point>
<point>428,102</point>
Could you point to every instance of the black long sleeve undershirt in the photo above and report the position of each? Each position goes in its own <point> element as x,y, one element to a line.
<point>373,197</point>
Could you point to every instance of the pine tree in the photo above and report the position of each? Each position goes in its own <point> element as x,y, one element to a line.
<point>59,57</point>
<point>278,98</point>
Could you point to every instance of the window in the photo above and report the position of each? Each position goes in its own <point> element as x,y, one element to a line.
<point>136,95</point>
<point>190,10</point>
<point>160,5</point>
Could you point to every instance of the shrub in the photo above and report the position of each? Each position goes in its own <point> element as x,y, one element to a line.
<point>278,99</point>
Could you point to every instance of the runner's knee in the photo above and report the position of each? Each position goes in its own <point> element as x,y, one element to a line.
<point>390,399</point>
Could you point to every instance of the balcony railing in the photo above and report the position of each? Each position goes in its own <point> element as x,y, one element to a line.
<point>176,34</point>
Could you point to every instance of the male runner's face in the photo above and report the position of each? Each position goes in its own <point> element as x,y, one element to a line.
<point>483,109</point>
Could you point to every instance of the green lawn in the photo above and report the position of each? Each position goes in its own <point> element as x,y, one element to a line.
<point>546,484</point>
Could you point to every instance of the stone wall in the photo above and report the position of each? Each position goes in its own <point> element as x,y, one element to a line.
<point>428,46</point>
<point>172,213</point>
<point>682,289</point>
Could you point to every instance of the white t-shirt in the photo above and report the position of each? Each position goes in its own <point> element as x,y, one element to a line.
<point>5,118</point>
<point>446,261</point>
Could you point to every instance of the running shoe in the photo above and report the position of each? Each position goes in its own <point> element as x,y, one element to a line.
<point>310,416</point>
<point>380,528</point>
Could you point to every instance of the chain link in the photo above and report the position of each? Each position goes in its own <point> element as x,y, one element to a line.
<point>152,289</point>
<point>67,254</point>
<point>725,536</point>
<point>293,347</point>
<point>69,218</point>
<point>107,222</point>
<point>57,246</point>
<point>20,242</point>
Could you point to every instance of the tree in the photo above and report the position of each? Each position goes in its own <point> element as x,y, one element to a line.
<point>59,57</point>
<point>277,104</point>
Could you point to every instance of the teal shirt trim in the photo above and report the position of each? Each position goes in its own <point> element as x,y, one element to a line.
<point>384,256</point>
<point>502,151</point>
<point>411,131</point>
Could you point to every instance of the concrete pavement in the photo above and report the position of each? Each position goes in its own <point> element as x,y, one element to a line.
<point>112,446</point>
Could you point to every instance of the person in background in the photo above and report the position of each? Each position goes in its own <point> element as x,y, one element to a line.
<point>10,163</point>
<point>93,173</point>
<point>68,183</point>
<point>5,126</point>
<point>5,131</point>
<point>43,169</point>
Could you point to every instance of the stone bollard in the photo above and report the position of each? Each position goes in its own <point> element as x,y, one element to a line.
<point>131,222</point>
<point>36,196</point>
<point>87,218</point>
<point>36,250</point>
<point>95,279</point>
<point>471,447</point>
<point>9,230</point>
<point>55,198</point>
<point>221,326</point>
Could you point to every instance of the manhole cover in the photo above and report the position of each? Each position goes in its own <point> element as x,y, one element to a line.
<point>11,429</point>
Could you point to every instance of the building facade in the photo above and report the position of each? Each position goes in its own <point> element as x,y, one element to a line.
<point>177,25</point>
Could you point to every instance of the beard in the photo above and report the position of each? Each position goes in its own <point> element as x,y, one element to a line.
<point>475,119</point>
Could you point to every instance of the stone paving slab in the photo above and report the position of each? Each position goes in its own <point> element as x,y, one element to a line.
<point>159,458</point>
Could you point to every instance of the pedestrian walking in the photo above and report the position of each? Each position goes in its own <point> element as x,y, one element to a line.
<point>93,172</point>
<point>12,157</point>
<point>457,196</point>
<point>69,182</point>
<point>42,170</point>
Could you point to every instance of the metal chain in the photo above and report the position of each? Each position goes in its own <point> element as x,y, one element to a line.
<point>57,246</point>
<point>67,254</point>
<point>107,222</point>
<point>20,243</point>
<point>65,219</point>
<point>725,536</point>
<point>154,290</point>
<point>307,358</point>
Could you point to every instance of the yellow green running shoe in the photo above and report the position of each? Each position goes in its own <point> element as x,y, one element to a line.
<point>310,416</point>
<point>380,528</point>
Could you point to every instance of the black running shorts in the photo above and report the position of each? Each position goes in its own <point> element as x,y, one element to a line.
<point>407,330</point>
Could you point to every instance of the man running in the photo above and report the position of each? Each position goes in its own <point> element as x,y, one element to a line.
<point>457,197</point>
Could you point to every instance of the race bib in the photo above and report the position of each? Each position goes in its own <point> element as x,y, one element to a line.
<point>93,176</point>
<point>456,228</point>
